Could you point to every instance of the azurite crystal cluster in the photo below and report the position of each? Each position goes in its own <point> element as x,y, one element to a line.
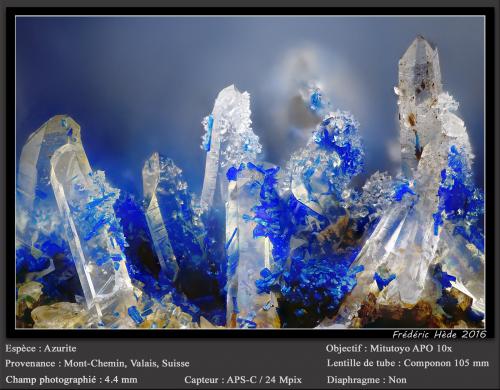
<point>261,247</point>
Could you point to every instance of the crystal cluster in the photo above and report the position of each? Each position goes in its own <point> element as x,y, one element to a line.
<point>262,247</point>
<point>409,238</point>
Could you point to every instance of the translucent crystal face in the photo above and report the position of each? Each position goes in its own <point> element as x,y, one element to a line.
<point>247,255</point>
<point>152,175</point>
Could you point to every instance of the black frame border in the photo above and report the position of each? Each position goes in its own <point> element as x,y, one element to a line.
<point>490,171</point>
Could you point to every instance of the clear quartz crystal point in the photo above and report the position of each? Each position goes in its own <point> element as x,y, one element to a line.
<point>88,221</point>
<point>36,208</point>
<point>229,141</point>
<point>247,256</point>
<point>405,241</point>
<point>151,176</point>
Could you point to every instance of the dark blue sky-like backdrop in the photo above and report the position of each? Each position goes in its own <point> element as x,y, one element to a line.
<point>139,85</point>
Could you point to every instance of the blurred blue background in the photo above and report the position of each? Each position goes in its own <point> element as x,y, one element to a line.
<point>139,85</point>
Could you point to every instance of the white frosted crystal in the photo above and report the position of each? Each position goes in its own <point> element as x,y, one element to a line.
<point>87,218</point>
<point>377,194</point>
<point>464,261</point>
<point>151,177</point>
<point>229,140</point>
<point>247,256</point>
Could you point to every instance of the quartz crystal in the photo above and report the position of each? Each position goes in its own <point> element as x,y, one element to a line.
<point>418,91</point>
<point>28,294</point>
<point>85,202</point>
<point>247,254</point>
<point>228,141</point>
<point>172,215</point>
<point>37,218</point>
<point>151,174</point>
<point>61,315</point>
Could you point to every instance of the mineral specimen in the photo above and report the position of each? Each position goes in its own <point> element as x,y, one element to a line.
<point>262,247</point>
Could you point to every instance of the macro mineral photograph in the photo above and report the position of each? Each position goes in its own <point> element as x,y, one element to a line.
<point>249,172</point>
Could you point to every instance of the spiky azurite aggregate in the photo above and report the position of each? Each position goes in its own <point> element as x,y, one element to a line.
<point>312,285</point>
<point>317,286</point>
<point>338,135</point>
<point>142,261</point>
<point>460,202</point>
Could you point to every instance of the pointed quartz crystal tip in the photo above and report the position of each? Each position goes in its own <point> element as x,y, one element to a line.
<point>34,166</point>
<point>418,92</point>
<point>420,64</point>
<point>152,172</point>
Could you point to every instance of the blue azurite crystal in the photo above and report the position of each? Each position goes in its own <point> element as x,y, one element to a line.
<point>180,238</point>
<point>381,281</point>
<point>316,103</point>
<point>133,312</point>
<point>444,279</point>
<point>401,189</point>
